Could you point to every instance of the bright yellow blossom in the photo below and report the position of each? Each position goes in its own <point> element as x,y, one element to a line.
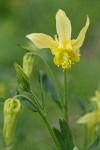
<point>65,50</point>
<point>92,118</point>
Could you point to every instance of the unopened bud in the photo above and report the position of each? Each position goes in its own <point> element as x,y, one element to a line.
<point>28,61</point>
<point>12,109</point>
<point>23,79</point>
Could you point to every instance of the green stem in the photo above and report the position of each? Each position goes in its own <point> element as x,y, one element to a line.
<point>90,134</point>
<point>65,96</point>
<point>35,97</point>
<point>42,95</point>
<point>85,137</point>
<point>50,131</point>
<point>50,73</point>
<point>45,121</point>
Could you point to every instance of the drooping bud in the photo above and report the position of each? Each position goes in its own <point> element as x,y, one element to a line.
<point>12,109</point>
<point>28,64</point>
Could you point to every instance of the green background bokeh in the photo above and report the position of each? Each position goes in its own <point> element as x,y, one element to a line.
<point>21,17</point>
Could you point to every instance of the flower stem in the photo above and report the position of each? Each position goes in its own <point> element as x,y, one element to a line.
<point>50,130</point>
<point>85,136</point>
<point>42,114</point>
<point>42,95</point>
<point>90,134</point>
<point>35,98</point>
<point>50,73</point>
<point>65,96</point>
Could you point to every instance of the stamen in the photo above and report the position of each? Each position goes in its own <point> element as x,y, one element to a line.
<point>65,60</point>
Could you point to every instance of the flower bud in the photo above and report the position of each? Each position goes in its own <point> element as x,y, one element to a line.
<point>22,78</point>
<point>12,109</point>
<point>28,64</point>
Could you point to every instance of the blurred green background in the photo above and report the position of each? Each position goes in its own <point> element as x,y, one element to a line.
<point>19,18</point>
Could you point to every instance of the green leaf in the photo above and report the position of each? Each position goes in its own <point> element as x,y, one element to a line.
<point>42,91</point>
<point>22,78</point>
<point>48,86</point>
<point>80,103</point>
<point>66,133</point>
<point>52,87</point>
<point>60,138</point>
<point>2,100</point>
<point>95,145</point>
<point>64,136</point>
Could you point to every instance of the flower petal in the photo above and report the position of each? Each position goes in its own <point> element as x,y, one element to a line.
<point>80,39</point>
<point>42,40</point>
<point>56,60</point>
<point>90,118</point>
<point>63,26</point>
<point>74,57</point>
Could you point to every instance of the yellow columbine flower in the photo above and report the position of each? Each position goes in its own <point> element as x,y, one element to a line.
<point>65,50</point>
<point>90,119</point>
<point>93,117</point>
